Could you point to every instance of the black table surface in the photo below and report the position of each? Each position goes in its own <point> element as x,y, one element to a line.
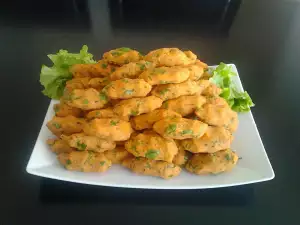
<point>260,37</point>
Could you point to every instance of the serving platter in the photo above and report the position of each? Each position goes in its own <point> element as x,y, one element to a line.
<point>253,166</point>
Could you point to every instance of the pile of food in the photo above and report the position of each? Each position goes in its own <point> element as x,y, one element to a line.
<point>153,114</point>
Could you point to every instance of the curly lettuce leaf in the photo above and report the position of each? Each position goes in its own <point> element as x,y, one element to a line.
<point>238,101</point>
<point>56,88</point>
<point>222,76</point>
<point>54,78</point>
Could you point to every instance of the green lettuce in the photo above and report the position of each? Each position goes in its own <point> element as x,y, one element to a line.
<point>54,78</point>
<point>222,76</point>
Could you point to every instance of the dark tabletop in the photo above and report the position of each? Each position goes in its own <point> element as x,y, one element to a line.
<point>260,37</point>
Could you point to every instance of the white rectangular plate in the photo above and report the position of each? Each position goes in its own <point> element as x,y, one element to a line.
<point>253,167</point>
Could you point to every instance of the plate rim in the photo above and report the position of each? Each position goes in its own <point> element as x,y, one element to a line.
<point>40,174</point>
